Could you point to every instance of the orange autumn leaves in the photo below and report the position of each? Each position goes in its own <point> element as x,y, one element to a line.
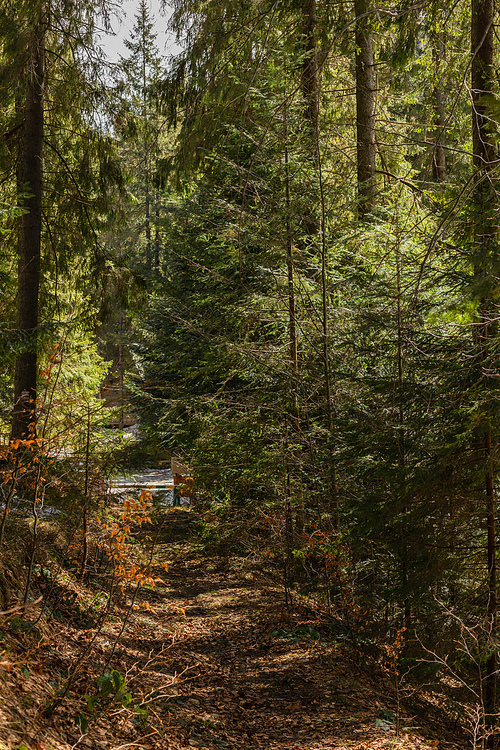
<point>116,538</point>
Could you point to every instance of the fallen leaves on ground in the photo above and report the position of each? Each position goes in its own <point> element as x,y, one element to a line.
<point>204,664</point>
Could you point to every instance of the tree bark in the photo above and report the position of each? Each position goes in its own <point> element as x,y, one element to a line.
<point>365,112</point>
<point>491,663</point>
<point>31,186</point>
<point>482,82</point>
<point>292,320</point>
<point>310,92</point>
<point>147,217</point>
<point>310,71</point>
<point>439,173</point>
<point>157,234</point>
<point>486,230</point>
<point>439,154</point>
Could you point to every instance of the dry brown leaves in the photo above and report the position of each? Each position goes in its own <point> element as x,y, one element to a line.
<point>207,664</point>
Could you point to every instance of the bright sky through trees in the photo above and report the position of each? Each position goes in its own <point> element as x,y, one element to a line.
<point>123,21</point>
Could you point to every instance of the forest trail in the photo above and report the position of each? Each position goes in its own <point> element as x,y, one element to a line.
<point>217,661</point>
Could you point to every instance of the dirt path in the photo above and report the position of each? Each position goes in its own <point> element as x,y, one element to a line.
<point>216,662</point>
<point>248,675</point>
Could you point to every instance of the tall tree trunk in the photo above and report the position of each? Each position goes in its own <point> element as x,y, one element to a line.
<point>365,111</point>
<point>146,147</point>
<point>401,431</point>
<point>292,416</point>
<point>310,71</point>
<point>486,251</point>
<point>31,185</point>
<point>439,154</point>
<point>315,221</point>
<point>147,216</point>
<point>292,320</point>
<point>121,372</point>
<point>157,233</point>
<point>491,664</point>
<point>310,92</point>
<point>439,119</point>
<point>482,83</point>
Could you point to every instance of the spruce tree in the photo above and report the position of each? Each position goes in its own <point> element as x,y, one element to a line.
<point>30,183</point>
<point>365,109</point>
<point>63,167</point>
<point>485,273</point>
<point>142,132</point>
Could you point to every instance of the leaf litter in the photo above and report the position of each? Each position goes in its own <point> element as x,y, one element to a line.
<point>209,658</point>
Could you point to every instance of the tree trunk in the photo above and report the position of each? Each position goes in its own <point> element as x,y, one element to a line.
<point>482,83</point>
<point>293,407</point>
<point>439,119</point>
<point>482,74</point>
<point>157,234</point>
<point>491,663</point>
<point>31,185</point>
<point>365,112</point>
<point>147,217</point>
<point>310,72</point>
<point>310,92</point>
<point>439,154</point>
<point>315,221</point>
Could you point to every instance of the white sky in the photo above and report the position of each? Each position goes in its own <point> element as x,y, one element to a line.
<point>114,46</point>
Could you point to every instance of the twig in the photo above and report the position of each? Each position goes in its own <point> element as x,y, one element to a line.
<point>20,608</point>
<point>78,741</point>
<point>134,744</point>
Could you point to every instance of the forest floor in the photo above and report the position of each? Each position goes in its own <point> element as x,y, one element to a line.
<point>209,658</point>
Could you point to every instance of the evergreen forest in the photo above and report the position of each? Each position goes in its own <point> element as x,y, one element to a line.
<point>273,257</point>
